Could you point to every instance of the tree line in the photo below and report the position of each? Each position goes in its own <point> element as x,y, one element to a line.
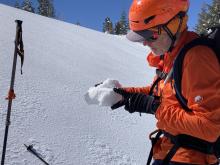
<point>44,8</point>
<point>121,27</point>
<point>208,17</point>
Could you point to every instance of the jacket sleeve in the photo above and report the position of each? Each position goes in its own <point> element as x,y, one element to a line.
<point>144,90</point>
<point>201,87</point>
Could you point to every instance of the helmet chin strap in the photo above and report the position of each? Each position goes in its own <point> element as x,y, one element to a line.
<point>170,34</point>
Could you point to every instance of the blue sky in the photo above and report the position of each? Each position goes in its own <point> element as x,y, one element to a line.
<point>91,13</point>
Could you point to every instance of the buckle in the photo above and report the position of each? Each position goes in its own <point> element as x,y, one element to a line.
<point>151,135</point>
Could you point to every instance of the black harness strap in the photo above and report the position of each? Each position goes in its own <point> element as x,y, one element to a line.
<point>184,141</point>
<point>153,142</point>
<point>189,142</point>
<point>170,154</point>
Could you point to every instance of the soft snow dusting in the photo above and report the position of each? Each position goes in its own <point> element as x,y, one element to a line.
<point>62,63</point>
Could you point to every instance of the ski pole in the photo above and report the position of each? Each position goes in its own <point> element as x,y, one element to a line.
<point>31,149</point>
<point>11,95</point>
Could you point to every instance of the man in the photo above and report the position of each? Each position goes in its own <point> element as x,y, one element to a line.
<point>162,25</point>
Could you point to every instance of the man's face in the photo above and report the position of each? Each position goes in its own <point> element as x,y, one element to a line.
<point>160,45</point>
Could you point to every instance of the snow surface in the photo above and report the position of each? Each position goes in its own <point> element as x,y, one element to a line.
<point>62,61</point>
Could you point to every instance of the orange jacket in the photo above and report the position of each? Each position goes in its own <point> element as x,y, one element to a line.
<point>201,87</point>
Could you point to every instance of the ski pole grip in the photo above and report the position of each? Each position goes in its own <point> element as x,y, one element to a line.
<point>19,22</point>
<point>18,29</point>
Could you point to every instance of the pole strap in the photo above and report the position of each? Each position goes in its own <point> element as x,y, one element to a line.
<point>20,45</point>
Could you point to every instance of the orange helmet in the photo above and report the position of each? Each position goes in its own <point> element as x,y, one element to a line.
<point>145,14</point>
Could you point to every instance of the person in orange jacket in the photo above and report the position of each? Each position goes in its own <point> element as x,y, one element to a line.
<point>162,26</point>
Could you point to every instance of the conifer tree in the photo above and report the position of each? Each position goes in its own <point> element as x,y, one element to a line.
<point>43,7</point>
<point>117,29</point>
<point>124,23</point>
<point>214,13</point>
<point>17,4</point>
<point>46,8</point>
<point>108,26</point>
<point>201,27</point>
<point>27,5</point>
<point>209,17</point>
<point>51,11</point>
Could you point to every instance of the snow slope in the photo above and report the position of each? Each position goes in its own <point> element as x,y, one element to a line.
<point>62,61</point>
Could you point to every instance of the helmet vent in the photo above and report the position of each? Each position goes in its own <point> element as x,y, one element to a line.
<point>134,21</point>
<point>147,20</point>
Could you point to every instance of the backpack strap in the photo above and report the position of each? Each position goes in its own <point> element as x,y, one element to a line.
<point>178,64</point>
<point>160,76</point>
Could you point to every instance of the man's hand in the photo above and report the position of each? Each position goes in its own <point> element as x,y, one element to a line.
<point>137,102</point>
<point>125,96</point>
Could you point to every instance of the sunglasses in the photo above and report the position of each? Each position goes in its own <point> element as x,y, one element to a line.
<point>153,37</point>
<point>148,35</point>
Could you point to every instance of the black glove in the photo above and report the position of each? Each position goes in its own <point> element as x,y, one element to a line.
<point>137,102</point>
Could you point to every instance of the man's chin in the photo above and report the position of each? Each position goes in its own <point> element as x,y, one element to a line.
<point>156,53</point>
